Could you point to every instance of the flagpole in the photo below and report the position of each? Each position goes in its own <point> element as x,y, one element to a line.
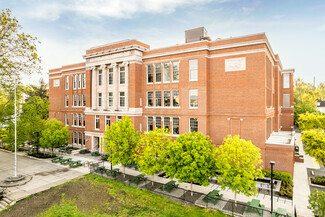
<point>15,127</point>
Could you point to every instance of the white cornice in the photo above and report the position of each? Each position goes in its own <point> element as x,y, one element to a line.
<point>286,71</point>
<point>67,70</point>
<point>116,50</point>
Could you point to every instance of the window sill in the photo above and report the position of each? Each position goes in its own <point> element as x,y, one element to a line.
<point>162,107</point>
<point>193,107</point>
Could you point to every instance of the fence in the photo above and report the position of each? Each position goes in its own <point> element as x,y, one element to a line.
<point>226,206</point>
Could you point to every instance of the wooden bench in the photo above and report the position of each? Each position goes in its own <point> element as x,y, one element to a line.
<point>137,179</point>
<point>213,197</point>
<point>169,186</point>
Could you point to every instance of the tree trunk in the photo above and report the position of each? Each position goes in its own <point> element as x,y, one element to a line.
<point>191,188</point>
<point>236,198</point>
<point>52,151</point>
<point>123,171</point>
<point>153,177</point>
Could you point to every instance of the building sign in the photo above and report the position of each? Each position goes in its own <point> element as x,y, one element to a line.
<point>235,64</point>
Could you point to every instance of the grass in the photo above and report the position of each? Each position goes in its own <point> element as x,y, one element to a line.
<point>96,196</point>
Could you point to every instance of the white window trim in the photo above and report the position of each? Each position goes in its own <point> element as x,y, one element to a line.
<point>153,73</point>
<point>74,82</point>
<point>83,78</point>
<point>189,124</point>
<point>283,83</point>
<point>101,100</point>
<point>66,78</point>
<point>170,99</point>
<point>287,94</point>
<point>112,100</point>
<point>112,77</point>
<point>163,70</point>
<point>79,81</point>
<point>153,99</point>
<point>148,123</point>
<point>160,74</point>
<point>172,72</point>
<point>107,119</point>
<point>120,99</point>
<point>189,99</point>
<point>95,122</point>
<point>172,119</point>
<point>119,77</point>
<point>161,102</point>
<point>189,70</point>
<point>172,103</point>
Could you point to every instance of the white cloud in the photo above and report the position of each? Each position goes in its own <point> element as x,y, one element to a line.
<point>106,8</point>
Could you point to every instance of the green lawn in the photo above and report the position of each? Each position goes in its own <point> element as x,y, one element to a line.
<point>96,196</point>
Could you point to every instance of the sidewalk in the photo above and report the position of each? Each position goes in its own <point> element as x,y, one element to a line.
<point>301,189</point>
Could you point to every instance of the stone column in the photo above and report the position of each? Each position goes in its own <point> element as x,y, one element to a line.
<point>126,65</point>
<point>104,86</point>
<point>94,88</point>
<point>115,86</point>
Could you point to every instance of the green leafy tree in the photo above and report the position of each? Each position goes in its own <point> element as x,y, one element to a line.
<point>54,135</point>
<point>314,140</point>
<point>308,121</point>
<point>238,162</point>
<point>190,159</point>
<point>317,203</point>
<point>34,90</point>
<point>32,120</point>
<point>120,141</point>
<point>18,53</point>
<point>151,151</point>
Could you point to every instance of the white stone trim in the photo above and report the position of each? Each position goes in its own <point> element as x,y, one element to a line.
<point>66,70</point>
<point>287,71</point>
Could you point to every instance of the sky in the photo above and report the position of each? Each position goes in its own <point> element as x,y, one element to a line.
<point>67,28</point>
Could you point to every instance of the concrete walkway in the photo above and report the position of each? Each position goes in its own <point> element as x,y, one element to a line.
<point>301,189</point>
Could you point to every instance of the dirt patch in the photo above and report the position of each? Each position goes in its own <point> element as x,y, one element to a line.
<point>52,172</point>
<point>191,198</point>
<point>87,196</point>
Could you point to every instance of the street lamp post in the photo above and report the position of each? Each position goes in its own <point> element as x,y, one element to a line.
<point>15,127</point>
<point>272,164</point>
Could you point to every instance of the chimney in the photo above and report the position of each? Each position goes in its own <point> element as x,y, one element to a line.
<point>197,34</point>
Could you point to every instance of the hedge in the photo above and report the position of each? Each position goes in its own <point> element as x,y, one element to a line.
<point>286,179</point>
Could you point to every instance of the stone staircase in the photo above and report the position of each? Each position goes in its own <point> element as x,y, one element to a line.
<point>5,202</point>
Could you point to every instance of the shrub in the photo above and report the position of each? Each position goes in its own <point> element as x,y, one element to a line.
<point>319,180</point>
<point>317,203</point>
<point>286,179</point>
<point>40,155</point>
<point>10,147</point>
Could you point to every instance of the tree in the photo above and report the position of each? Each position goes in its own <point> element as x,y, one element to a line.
<point>238,162</point>
<point>150,154</point>
<point>18,53</point>
<point>32,120</point>
<point>41,90</point>
<point>314,140</point>
<point>54,135</point>
<point>190,159</point>
<point>317,203</point>
<point>120,140</point>
<point>308,121</point>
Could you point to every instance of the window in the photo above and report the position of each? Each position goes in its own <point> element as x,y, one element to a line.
<point>79,81</point>
<point>166,98</point>
<point>193,66</point>
<point>75,137</point>
<point>119,118</point>
<point>107,120</point>
<point>83,100</point>
<point>158,73</point>
<point>167,123</point>
<point>74,100</point>
<point>286,100</point>
<point>97,122</point>
<point>66,97</point>
<point>66,82</point>
<point>150,99</point>
<point>84,81</point>
<point>193,125</point>
<point>175,98</point>
<point>74,119</point>
<point>99,99</point>
<point>83,138</point>
<point>166,72</point>
<point>175,71</point>
<point>110,99</point>
<point>80,138</point>
<point>286,80</point>
<point>150,124</point>
<point>74,81</point>
<point>110,76</point>
<point>66,119</point>
<point>122,99</point>
<point>158,98</point>
<point>150,73</point>
<point>56,83</point>
<point>79,100</point>
<point>79,120</point>
<point>158,122</point>
<point>100,75</point>
<point>122,75</point>
<point>193,98</point>
<point>83,120</point>
<point>175,126</point>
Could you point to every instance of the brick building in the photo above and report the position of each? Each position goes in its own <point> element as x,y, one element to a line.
<point>226,86</point>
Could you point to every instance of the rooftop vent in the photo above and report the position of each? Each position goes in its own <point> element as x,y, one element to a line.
<point>197,34</point>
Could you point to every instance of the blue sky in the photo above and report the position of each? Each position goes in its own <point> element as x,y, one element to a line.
<point>66,28</point>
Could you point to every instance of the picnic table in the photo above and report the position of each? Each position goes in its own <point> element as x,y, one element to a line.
<point>74,164</point>
<point>100,169</point>
<point>113,172</point>
<point>280,212</point>
<point>255,206</point>
<point>84,151</point>
<point>56,159</point>
<point>213,197</point>
<point>137,179</point>
<point>169,186</point>
<point>65,161</point>
<point>95,153</point>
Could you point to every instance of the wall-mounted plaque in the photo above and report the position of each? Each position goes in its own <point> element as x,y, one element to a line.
<point>235,64</point>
